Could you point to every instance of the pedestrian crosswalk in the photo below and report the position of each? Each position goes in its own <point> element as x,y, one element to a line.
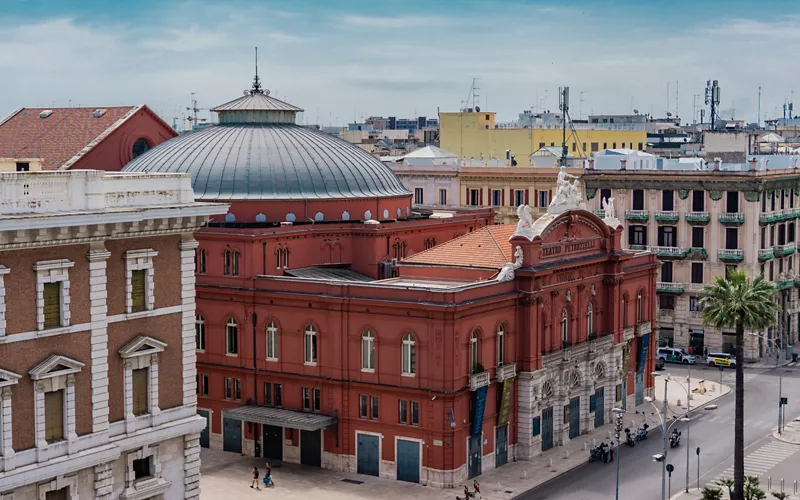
<point>763,459</point>
<point>748,376</point>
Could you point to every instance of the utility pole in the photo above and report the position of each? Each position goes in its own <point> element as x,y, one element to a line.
<point>759,106</point>
<point>563,98</point>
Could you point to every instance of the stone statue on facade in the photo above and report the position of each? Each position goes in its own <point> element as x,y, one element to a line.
<point>568,193</point>
<point>608,208</point>
<point>507,272</point>
<point>525,218</point>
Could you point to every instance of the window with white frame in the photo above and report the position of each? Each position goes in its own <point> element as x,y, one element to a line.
<point>310,345</point>
<point>61,487</point>
<point>564,326</point>
<point>519,197</point>
<point>590,320</point>
<point>200,267</point>
<point>282,257</point>
<point>200,332</point>
<point>272,341</point>
<point>232,336</point>
<point>544,198</point>
<point>54,400</point>
<point>139,282</point>
<point>419,197</point>
<point>501,344</point>
<point>3,271</point>
<point>442,197</point>
<point>7,380</point>
<point>143,474</point>
<point>409,355</point>
<point>367,351</point>
<point>140,377</point>
<point>639,308</point>
<point>235,267</point>
<point>228,388</point>
<point>52,293</point>
<point>473,353</point>
<point>228,257</point>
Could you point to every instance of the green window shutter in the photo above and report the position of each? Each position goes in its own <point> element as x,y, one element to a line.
<point>54,416</point>
<point>52,305</point>
<point>140,391</point>
<point>137,290</point>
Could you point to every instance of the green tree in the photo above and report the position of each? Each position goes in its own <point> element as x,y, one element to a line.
<point>780,495</point>
<point>726,482</point>
<point>710,493</point>
<point>737,302</point>
<point>751,489</point>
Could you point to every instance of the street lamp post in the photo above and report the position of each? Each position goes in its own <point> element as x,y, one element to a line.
<point>664,432</point>
<point>689,425</point>
<point>780,377</point>
<point>619,415</point>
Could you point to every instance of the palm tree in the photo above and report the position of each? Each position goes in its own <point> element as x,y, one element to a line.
<point>737,302</point>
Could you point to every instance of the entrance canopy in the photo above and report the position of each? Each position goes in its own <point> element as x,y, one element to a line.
<point>280,417</point>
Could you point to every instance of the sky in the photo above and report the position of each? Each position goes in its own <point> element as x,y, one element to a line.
<point>345,60</point>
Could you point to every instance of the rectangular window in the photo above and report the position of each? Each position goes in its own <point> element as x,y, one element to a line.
<point>574,147</point>
<point>267,394</point>
<point>697,272</point>
<point>23,166</point>
<point>403,412</point>
<point>638,199</point>
<point>732,202</point>
<point>613,145</point>
<point>605,193</point>
<point>605,145</point>
<point>317,399</point>
<point>141,468</point>
<point>415,413</point>
<point>595,147</point>
<point>475,197</point>
<point>54,416</point>
<point>698,201</point>
<point>544,198</point>
<point>695,304</point>
<point>228,388</point>
<point>566,414</point>
<point>697,237</point>
<point>362,406</point>
<point>442,197</point>
<point>519,197</point>
<point>731,238</point>
<point>137,290</point>
<point>278,395</point>
<point>306,399</point>
<point>783,199</point>
<point>641,148</point>
<point>139,385</point>
<point>618,393</point>
<point>637,235</point>
<point>373,403</point>
<point>418,196</point>
<point>667,236</point>
<point>497,197</point>
<point>666,302</point>
<point>52,305</point>
<point>667,200</point>
<point>771,271</point>
<point>666,271</point>
<point>237,389</point>
<point>537,426</point>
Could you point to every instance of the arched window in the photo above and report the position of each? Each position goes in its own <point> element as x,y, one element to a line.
<point>639,308</point>
<point>409,357</point>
<point>590,320</point>
<point>399,249</point>
<point>272,341</point>
<point>200,333</point>
<point>232,336</point>
<point>501,344</point>
<point>564,327</point>
<point>228,259</point>
<point>474,361</point>
<point>311,345</point>
<point>235,266</point>
<point>200,263</point>
<point>140,147</point>
<point>367,351</point>
<point>282,258</point>
<point>623,311</point>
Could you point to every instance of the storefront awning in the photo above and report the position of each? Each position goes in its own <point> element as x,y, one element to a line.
<point>280,417</point>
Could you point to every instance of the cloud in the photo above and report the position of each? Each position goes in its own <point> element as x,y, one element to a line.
<point>285,37</point>
<point>399,85</point>
<point>381,22</point>
<point>786,29</point>
<point>187,40</point>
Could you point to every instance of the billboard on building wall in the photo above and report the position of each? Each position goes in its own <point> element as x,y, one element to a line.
<point>644,345</point>
<point>505,403</point>
<point>480,408</point>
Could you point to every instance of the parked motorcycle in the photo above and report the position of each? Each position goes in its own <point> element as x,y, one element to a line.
<point>595,454</point>
<point>629,438</point>
<point>641,433</point>
<point>674,439</point>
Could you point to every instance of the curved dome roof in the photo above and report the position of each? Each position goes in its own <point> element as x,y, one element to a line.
<point>270,161</point>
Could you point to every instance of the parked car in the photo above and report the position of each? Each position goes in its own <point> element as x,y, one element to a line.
<point>721,359</point>
<point>659,363</point>
<point>675,355</point>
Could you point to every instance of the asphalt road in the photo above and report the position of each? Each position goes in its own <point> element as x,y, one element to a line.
<point>711,430</point>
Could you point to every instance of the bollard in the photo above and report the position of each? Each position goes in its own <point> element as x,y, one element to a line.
<point>782,486</point>
<point>585,446</point>
<point>566,454</point>
<point>524,474</point>
<point>769,483</point>
<point>795,486</point>
<point>679,402</point>
<point>550,462</point>
<point>609,434</point>
<point>594,443</point>
<point>713,388</point>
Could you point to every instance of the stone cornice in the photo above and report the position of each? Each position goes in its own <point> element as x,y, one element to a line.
<point>743,181</point>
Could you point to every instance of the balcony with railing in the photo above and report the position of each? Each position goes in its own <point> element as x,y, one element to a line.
<point>785,282</point>
<point>697,253</point>
<point>668,252</point>
<point>667,217</point>
<point>765,254</point>
<point>732,218</point>
<point>506,371</point>
<point>777,215</point>
<point>599,212</point>
<point>730,255</point>
<point>637,215</point>
<point>478,380</point>
<point>786,249</point>
<point>698,218</point>
<point>669,287</point>
<point>638,247</point>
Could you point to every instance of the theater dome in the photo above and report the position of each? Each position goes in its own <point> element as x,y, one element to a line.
<point>258,153</point>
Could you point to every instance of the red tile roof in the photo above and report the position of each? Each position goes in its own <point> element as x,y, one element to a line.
<point>487,247</point>
<point>61,136</point>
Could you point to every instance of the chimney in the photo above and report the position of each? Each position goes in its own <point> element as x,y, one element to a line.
<point>717,164</point>
<point>752,164</point>
<point>623,163</point>
<point>590,164</point>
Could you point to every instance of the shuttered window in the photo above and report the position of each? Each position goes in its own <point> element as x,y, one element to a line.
<point>54,416</point>
<point>52,305</point>
<point>140,391</point>
<point>137,290</point>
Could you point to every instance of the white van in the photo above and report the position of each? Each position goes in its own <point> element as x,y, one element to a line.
<point>721,359</point>
<point>675,355</point>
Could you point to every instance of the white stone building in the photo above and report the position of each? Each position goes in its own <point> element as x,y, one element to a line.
<point>97,347</point>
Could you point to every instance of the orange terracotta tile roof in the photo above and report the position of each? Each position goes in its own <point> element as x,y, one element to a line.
<point>61,136</point>
<point>487,247</point>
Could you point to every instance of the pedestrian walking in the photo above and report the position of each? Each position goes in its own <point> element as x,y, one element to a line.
<point>477,487</point>
<point>255,478</point>
<point>268,476</point>
<point>611,451</point>
<point>605,452</point>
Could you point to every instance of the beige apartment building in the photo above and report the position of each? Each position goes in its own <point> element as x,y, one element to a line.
<point>702,223</point>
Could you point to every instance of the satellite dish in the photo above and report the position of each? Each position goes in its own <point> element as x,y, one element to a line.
<point>477,109</point>
<point>245,92</point>
<point>636,111</point>
<point>669,114</point>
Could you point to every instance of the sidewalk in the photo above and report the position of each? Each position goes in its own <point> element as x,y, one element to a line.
<point>695,494</point>
<point>677,392</point>
<point>227,475</point>
<point>791,432</point>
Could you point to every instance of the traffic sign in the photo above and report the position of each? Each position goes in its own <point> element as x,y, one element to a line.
<point>784,401</point>
<point>698,451</point>
<point>670,468</point>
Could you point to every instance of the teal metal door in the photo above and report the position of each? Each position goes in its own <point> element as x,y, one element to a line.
<point>205,433</point>
<point>547,428</point>
<point>639,389</point>
<point>474,467</point>
<point>408,460</point>
<point>272,442</point>
<point>232,435</point>
<point>574,417</point>
<point>501,446</point>
<point>311,448</point>
<point>599,407</point>
<point>368,457</point>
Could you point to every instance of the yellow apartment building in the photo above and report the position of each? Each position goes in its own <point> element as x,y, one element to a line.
<point>20,164</point>
<point>474,135</point>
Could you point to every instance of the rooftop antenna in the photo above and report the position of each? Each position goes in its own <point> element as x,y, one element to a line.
<point>563,106</point>
<point>677,110</point>
<point>256,81</point>
<point>759,106</point>
<point>712,100</point>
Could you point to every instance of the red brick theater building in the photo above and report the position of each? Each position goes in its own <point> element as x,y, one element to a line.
<point>337,327</point>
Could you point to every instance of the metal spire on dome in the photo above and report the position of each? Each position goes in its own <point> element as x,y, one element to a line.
<point>256,82</point>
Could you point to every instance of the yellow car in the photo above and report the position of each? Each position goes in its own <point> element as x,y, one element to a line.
<point>721,359</point>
